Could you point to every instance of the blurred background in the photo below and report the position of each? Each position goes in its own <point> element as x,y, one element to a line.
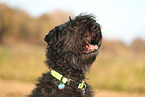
<point>119,70</point>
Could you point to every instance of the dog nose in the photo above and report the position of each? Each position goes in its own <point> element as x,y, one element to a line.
<point>95,27</point>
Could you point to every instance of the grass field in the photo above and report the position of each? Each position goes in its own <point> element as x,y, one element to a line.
<point>121,70</point>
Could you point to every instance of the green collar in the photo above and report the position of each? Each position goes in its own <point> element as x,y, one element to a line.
<point>66,81</point>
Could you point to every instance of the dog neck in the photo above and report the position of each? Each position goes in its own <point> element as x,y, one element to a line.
<point>67,81</point>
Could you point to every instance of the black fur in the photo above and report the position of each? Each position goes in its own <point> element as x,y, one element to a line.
<point>67,53</point>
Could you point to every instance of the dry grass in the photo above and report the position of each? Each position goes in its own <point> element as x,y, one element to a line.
<point>15,88</point>
<point>21,89</point>
<point>121,71</point>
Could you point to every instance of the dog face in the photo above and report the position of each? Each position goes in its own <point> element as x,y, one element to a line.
<point>87,35</point>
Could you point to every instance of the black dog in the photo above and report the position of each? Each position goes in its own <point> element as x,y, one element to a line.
<point>72,48</point>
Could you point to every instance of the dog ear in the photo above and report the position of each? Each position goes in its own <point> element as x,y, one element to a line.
<point>52,35</point>
<point>48,38</point>
<point>72,23</point>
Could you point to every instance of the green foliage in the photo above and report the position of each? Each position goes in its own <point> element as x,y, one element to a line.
<point>118,72</point>
<point>16,25</point>
<point>22,62</point>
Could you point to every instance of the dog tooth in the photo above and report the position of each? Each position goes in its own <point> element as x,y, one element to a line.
<point>91,47</point>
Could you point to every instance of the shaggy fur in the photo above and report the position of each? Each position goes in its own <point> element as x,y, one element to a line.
<point>72,48</point>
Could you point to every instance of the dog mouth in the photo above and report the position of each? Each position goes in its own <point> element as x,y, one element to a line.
<point>92,46</point>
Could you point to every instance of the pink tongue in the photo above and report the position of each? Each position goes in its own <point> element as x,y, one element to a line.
<point>92,47</point>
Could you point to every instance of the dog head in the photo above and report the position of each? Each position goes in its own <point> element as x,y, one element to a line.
<point>77,40</point>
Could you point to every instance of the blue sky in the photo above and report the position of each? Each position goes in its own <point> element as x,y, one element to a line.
<point>120,19</point>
